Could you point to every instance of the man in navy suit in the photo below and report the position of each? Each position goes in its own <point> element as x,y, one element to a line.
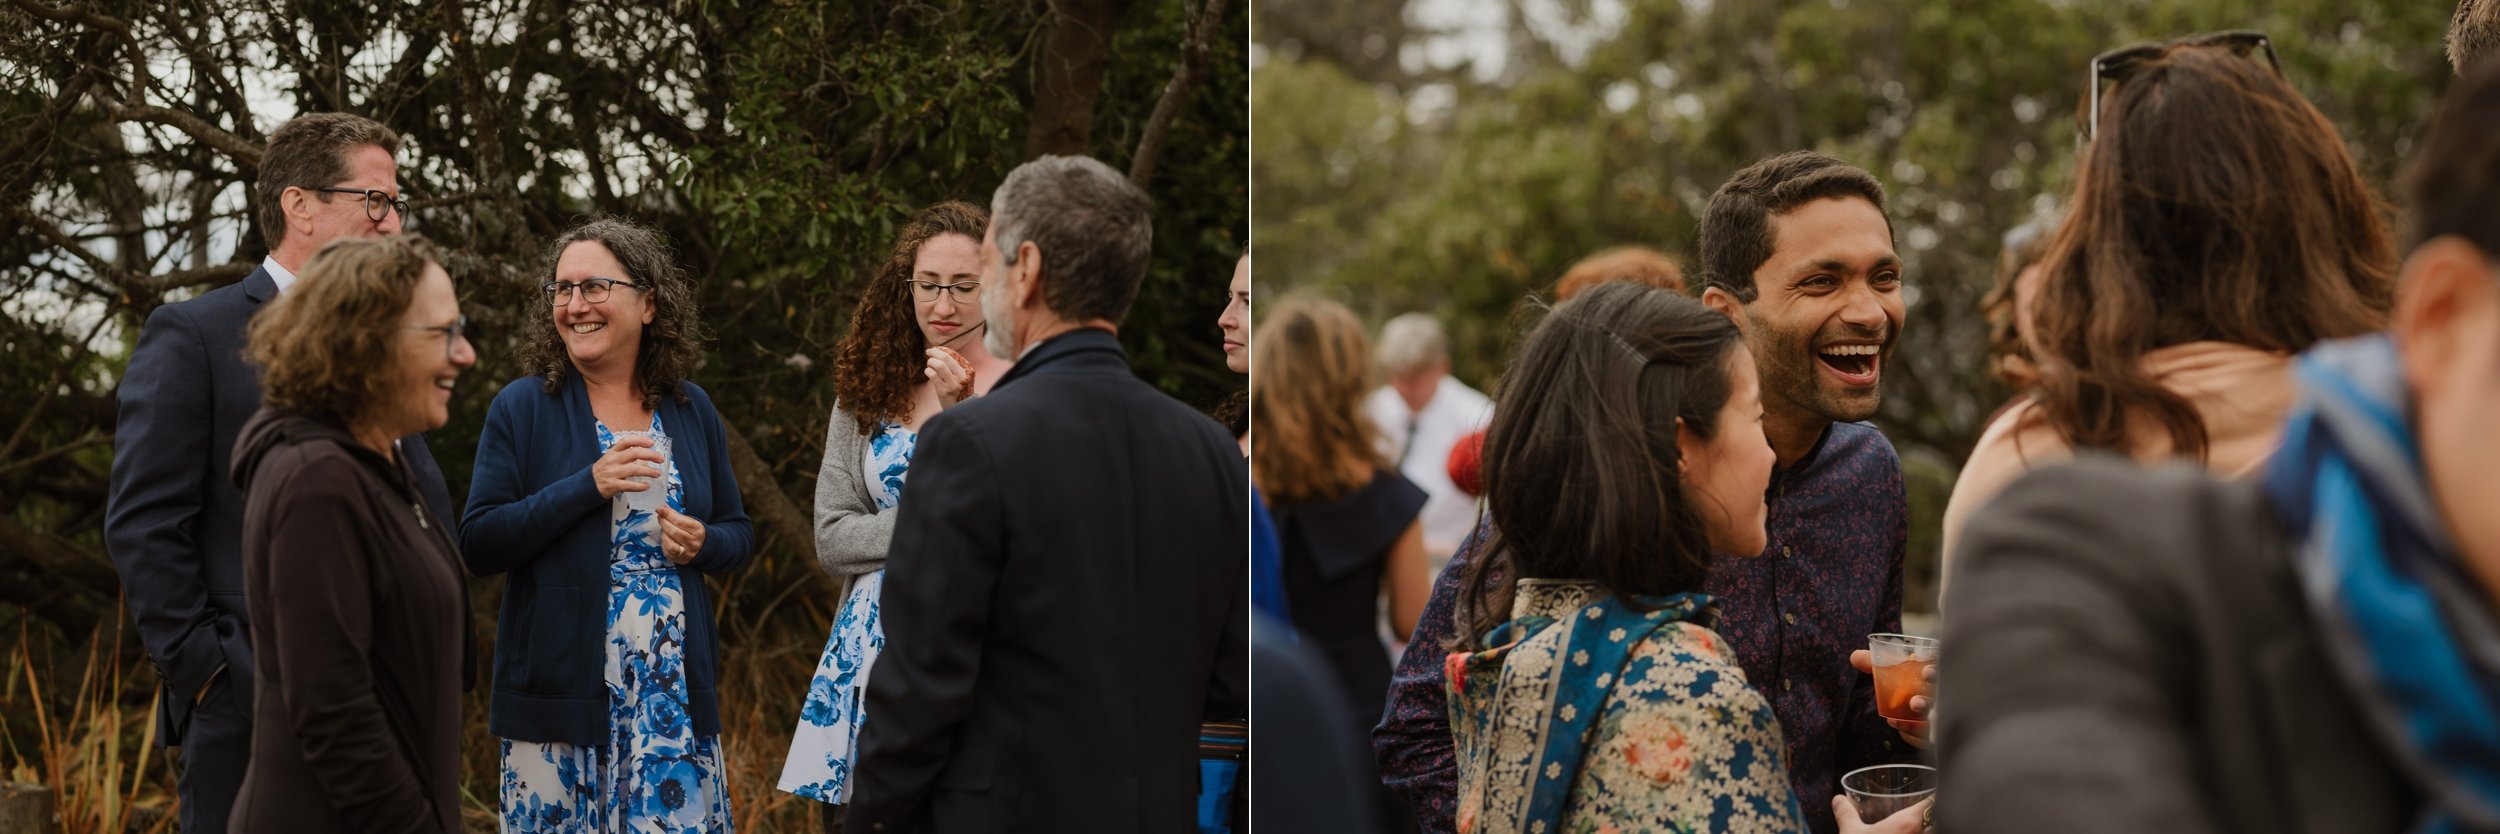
<point>174,523</point>
<point>1067,597</point>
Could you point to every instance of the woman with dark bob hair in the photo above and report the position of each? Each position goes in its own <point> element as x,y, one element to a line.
<point>358,605</point>
<point>899,366</point>
<point>1587,689</point>
<point>2217,227</point>
<point>602,486</point>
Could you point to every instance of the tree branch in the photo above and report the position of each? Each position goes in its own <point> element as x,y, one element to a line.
<point>1193,59</point>
<point>245,153</point>
<point>74,14</point>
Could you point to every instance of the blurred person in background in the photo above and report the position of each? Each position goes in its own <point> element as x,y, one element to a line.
<point>913,351</point>
<point>2303,650</point>
<point>174,520</point>
<point>1346,520</point>
<point>2217,227</point>
<point>607,671</point>
<point>1418,416</point>
<point>1636,264</point>
<point>362,646</point>
<point>2009,307</point>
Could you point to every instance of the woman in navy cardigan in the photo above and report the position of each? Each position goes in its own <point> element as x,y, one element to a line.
<point>602,484</point>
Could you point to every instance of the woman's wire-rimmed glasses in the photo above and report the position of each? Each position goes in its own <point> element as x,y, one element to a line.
<point>593,290</point>
<point>927,291</point>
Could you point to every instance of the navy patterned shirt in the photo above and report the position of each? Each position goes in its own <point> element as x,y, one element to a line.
<point>1830,575</point>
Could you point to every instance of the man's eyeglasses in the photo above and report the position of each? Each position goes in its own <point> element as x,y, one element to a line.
<point>2115,65</point>
<point>593,290</point>
<point>377,204</point>
<point>927,291</point>
<point>451,333</point>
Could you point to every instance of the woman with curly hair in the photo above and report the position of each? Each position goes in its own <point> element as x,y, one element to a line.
<point>913,350</point>
<point>602,485</point>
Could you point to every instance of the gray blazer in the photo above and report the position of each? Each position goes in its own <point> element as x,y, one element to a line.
<point>2129,651</point>
<point>851,536</point>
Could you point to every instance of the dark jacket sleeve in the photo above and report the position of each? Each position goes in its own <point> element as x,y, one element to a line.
<point>504,528</point>
<point>160,473</point>
<point>936,612</point>
<point>318,622</point>
<point>728,536</point>
<point>1417,758</point>
<point>1228,689</point>
<point>2055,705</point>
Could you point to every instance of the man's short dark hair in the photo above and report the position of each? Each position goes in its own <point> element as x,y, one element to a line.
<point>1736,228</point>
<point>310,151</point>
<point>2472,33</point>
<point>2456,174</point>
<point>1094,229</point>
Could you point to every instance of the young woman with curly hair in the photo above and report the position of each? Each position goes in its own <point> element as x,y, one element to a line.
<point>914,349</point>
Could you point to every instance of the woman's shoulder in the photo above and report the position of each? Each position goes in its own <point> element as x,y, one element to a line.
<point>1694,662</point>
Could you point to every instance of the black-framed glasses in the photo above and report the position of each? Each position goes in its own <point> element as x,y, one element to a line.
<point>927,291</point>
<point>593,290</point>
<point>377,204</point>
<point>451,333</point>
<point>2115,65</point>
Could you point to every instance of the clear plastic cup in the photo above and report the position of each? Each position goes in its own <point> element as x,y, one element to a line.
<point>1883,790</point>
<point>649,500</point>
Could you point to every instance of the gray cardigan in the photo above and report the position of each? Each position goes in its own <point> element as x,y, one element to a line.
<point>851,536</point>
<point>2129,651</point>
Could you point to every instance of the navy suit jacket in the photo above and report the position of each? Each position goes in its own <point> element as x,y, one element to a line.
<point>1065,602</point>
<point>174,521</point>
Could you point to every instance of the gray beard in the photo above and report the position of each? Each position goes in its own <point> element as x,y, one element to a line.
<point>999,338</point>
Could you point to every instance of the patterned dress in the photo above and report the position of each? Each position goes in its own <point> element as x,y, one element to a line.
<point>827,741</point>
<point>1584,714</point>
<point>654,773</point>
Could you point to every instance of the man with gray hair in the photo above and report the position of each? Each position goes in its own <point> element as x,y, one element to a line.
<point>1065,602</point>
<point>1421,413</point>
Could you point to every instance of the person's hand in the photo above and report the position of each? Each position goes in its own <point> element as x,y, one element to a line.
<point>681,536</point>
<point>951,373</point>
<point>625,465</point>
<point>1913,733</point>
<point>1910,820</point>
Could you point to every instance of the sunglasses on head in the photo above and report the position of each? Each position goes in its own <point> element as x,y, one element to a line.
<point>2116,65</point>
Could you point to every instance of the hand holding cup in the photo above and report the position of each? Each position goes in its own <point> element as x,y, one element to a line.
<point>626,465</point>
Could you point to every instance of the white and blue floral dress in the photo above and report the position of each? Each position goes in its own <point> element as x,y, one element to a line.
<point>826,746</point>
<point>654,773</point>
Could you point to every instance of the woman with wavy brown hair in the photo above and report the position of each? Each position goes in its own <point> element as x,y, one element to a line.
<point>914,349</point>
<point>2218,226</point>
<point>1346,518</point>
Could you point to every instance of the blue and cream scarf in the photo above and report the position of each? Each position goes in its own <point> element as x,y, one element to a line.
<point>2410,634</point>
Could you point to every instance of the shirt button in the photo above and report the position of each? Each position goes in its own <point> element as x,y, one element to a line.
<point>1787,684</point>
<point>1784,552</point>
<point>1791,617</point>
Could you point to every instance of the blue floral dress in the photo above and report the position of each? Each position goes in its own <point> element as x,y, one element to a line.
<point>654,773</point>
<point>826,745</point>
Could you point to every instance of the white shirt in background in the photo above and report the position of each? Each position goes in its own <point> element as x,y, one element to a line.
<point>1454,411</point>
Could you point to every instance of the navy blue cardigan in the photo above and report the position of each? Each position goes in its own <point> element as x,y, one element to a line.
<point>535,510</point>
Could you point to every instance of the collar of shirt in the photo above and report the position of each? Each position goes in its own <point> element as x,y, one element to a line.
<point>280,274</point>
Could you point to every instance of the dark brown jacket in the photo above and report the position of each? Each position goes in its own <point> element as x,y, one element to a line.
<point>358,608</point>
<point>2128,651</point>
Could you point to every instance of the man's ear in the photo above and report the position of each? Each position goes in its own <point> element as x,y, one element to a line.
<point>1719,300</point>
<point>1028,278</point>
<point>2445,288</point>
<point>296,207</point>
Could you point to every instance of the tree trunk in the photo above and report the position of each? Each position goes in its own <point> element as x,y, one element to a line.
<point>1076,43</point>
<point>775,515</point>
